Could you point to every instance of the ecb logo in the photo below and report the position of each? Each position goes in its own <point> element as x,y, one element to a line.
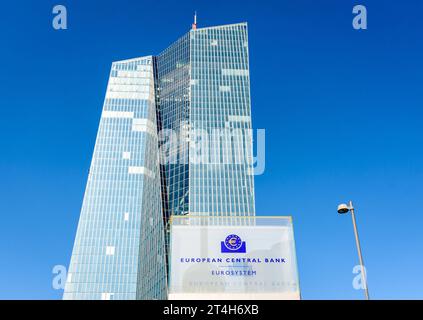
<point>233,244</point>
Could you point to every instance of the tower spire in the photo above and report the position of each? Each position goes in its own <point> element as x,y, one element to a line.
<point>194,25</point>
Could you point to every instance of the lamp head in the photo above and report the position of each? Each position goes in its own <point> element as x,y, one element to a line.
<point>343,208</point>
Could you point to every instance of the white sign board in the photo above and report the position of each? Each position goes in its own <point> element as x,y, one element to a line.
<point>233,262</point>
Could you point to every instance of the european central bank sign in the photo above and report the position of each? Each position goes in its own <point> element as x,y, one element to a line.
<point>239,258</point>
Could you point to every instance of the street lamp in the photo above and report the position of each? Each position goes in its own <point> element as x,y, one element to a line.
<point>343,209</point>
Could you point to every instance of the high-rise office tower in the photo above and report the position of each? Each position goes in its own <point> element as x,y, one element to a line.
<point>174,139</point>
<point>119,246</point>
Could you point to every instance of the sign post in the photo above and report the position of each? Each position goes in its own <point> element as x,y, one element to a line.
<point>232,258</point>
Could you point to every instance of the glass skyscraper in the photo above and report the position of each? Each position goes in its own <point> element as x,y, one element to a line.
<point>174,139</point>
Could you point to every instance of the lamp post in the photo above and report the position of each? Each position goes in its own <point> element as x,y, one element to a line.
<point>343,209</point>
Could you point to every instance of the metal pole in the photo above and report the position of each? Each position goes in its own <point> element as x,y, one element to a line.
<point>357,241</point>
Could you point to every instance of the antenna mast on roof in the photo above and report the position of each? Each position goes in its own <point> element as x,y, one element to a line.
<point>194,25</point>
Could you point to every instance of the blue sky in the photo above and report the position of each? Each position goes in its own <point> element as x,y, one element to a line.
<point>342,111</point>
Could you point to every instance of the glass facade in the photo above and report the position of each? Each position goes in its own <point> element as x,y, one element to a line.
<point>221,183</point>
<point>204,94</point>
<point>147,164</point>
<point>119,246</point>
<point>173,70</point>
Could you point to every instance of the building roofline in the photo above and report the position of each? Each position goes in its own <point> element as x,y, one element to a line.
<point>244,23</point>
<point>133,59</point>
<point>223,25</point>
